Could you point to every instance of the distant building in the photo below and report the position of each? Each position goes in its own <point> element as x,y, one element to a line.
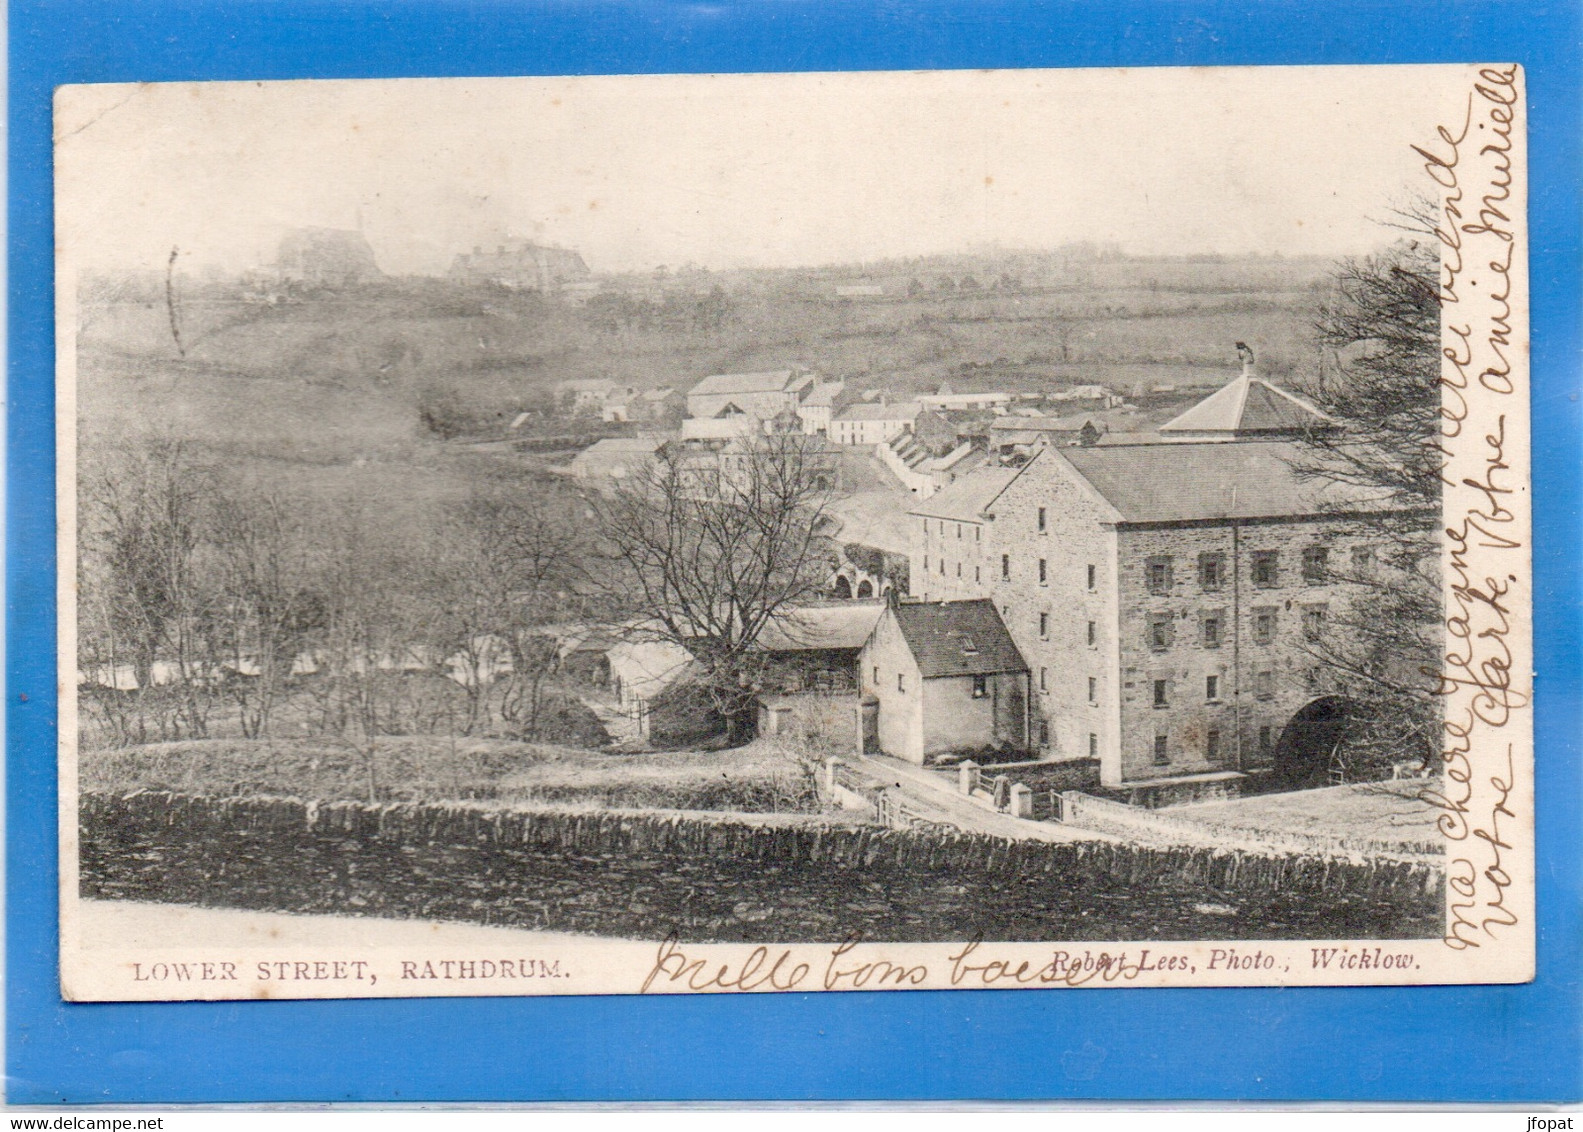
<point>758,395</point>
<point>818,407</point>
<point>326,257</point>
<point>873,423</point>
<point>947,677</point>
<point>607,462</point>
<point>522,266</point>
<point>1009,433</point>
<point>945,398</point>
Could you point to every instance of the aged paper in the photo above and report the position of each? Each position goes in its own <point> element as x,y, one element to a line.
<point>803,532</point>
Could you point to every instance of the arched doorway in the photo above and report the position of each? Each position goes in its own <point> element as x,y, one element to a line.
<point>865,588</point>
<point>1306,755</point>
<point>842,588</point>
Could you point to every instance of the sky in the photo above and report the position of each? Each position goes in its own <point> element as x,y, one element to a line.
<point>749,170</point>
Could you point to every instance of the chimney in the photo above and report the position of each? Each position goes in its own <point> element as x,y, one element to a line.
<point>1246,354</point>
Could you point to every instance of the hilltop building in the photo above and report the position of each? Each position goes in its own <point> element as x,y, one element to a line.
<point>522,266</point>
<point>326,257</point>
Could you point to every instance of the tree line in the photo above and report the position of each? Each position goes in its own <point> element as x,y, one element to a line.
<point>212,605</point>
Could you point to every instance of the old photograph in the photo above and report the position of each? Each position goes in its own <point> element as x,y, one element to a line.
<point>849,531</point>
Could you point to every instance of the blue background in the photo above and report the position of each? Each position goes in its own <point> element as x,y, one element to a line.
<point>1465,1044</point>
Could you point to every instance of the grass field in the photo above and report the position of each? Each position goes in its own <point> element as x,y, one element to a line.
<point>758,778</point>
<point>1388,813</point>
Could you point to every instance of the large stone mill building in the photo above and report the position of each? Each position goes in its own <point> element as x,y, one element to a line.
<point>1165,595</point>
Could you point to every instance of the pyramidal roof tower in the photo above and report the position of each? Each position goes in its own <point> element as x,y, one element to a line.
<point>1247,408</point>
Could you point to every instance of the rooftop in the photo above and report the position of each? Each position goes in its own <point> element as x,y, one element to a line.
<point>1162,483</point>
<point>1249,406</point>
<point>869,411</point>
<point>838,625</point>
<point>958,638</point>
<point>969,497</point>
<point>769,381</point>
<point>1041,424</point>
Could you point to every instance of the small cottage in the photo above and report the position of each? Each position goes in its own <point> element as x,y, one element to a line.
<point>946,676</point>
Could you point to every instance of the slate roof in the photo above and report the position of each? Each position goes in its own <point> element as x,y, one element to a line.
<point>1040,424</point>
<point>1249,405</point>
<point>969,497</point>
<point>1151,483</point>
<point>771,381</point>
<point>958,638</point>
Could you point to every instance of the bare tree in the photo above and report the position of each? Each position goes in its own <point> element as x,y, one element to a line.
<point>709,547</point>
<point>1379,325</point>
<point>148,594</point>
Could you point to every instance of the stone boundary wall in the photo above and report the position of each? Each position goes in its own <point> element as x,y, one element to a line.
<point>119,825</point>
<point>1085,811</point>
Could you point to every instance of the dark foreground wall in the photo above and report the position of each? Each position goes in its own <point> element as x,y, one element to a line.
<point>643,875</point>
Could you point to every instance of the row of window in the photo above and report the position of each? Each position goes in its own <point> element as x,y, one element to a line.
<point>1161,630</point>
<point>1264,568</point>
<point>978,532</point>
<point>1216,750</point>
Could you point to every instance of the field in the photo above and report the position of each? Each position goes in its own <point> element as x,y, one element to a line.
<point>758,778</point>
<point>1388,813</point>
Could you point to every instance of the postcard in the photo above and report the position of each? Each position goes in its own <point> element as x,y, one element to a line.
<point>855,531</point>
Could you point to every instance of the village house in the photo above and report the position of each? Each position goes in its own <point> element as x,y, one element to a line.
<point>871,423</point>
<point>945,677</point>
<point>1010,433</point>
<point>819,406</point>
<point>608,462</point>
<point>758,396</point>
<point>1165,597</point>
<point>946,398</point>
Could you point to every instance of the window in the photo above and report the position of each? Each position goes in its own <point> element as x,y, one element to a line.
<point>926,528</point>
<point>925,563</point>
<point>1362,561</point>
<point>958,569</point>
<point>1212,630</point>
<point>1162,690</point>
<point>901,682</point>
<point>1005,565</point>
<point>1264,685</point>
<point>976,577</point>
<point>1041,521</point>
<point>1316,561</point>
<point>1313,621</point>
<point>1159,631</point>
<point>980,687</point>
<point>876,676</point>
<point>1263,626</point>
<point>1093,579</point>
<point>1093,690</point>
<point>942,528</point>
<point>1162,754</point>
<point>1044,733</point>
<point>1266,744</point>
<point>959,530</point>
<point>1212,689</point>
<point>977,533</point>
<point>1093,633</point>
<point>1093,745</point>
<point>1044,679</point>
<point>1212,746</point>
<point>942,567</point>
<point>1211,571</point>
<point>1266,568</point>
<point>1044,572</point>
<point>1044,626</point>
<point>1157,574</point>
